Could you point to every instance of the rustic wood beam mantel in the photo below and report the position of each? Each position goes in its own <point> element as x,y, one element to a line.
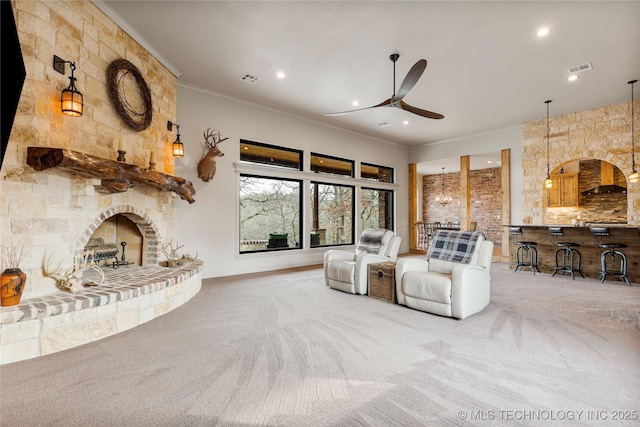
<point>117,177</point>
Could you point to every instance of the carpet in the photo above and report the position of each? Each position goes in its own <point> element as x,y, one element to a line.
<point>282,349</point>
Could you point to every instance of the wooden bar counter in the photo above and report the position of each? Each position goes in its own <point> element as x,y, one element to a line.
<point>620,233</point>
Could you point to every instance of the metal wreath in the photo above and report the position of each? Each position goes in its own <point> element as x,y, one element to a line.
<point>136,120</point>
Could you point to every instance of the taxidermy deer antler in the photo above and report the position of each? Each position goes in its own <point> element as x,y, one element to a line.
<point>207,165</point>
<point>70,278</point>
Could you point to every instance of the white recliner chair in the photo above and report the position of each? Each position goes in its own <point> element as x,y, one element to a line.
<point>454,280</point>
<point>347,270</point>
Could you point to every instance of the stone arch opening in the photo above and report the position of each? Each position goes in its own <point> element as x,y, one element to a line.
<point>150,246</point>
<point>588,190</point>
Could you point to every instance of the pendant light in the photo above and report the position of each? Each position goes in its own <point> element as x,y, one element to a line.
<point>633,177</point>
<point>548,183</point>
<point>444,200</point>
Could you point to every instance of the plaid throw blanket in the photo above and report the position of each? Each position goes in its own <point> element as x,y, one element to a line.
<point>370,241</point>
<point>454,246</point>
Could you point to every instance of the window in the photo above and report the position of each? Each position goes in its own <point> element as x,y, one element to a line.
<point>376,208</point>
<point>271,155</point>
<point>270,211</point>
<point>331,165</point>
<point>332,211</point>
<point>376,173</point>
<point>273,214</point>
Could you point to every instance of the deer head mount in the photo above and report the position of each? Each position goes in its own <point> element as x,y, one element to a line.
<point>207,165</point>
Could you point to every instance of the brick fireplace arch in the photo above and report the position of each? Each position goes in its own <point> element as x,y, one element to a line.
<point>149,231</point>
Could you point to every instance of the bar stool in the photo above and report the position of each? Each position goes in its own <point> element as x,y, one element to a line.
<point>568,252</point>
<point>527,253</point>
<point>599,234</point>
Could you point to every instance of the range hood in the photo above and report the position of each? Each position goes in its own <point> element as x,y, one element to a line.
<point>607,182</point>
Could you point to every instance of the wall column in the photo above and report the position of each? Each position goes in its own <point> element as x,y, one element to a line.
<point>465,192</point>
<point>505,189</point>
<point>413,207</point>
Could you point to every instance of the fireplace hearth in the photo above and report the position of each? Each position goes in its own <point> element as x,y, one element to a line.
<point>64,320</point>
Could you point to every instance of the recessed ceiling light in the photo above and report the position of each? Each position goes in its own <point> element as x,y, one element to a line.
<point>573,77</point>
<point>355,103</point>
<point>406,122</point>
<point>280,75</point>
<point>489,161</point>
<point>543,32</point>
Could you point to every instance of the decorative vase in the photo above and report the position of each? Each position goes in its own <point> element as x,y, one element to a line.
<point>12,282</point>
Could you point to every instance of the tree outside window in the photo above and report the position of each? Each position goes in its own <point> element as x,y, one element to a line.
<point>332,208</point>
<point>270,210</point>
<point>376,208</point>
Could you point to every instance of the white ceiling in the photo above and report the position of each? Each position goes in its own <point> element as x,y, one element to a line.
<point>486,69</point>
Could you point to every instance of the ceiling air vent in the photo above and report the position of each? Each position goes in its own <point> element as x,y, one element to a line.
<point>249,78</point>
<point>581,67</point>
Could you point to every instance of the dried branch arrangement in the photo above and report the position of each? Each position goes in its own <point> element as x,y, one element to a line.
<point>12,254</point>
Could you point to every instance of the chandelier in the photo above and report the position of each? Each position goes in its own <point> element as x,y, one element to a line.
<point>444,200</point>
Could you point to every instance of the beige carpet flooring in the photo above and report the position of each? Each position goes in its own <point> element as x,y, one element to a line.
<point>281,349</point>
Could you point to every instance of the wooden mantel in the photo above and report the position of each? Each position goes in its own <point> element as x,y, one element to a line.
<point>117,177</point>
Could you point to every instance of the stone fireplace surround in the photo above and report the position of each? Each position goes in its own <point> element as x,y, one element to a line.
<point>55,212</point>
<point>57,320</point>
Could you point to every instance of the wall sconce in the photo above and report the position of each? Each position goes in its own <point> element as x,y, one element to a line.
<point>548,183</point>
<point>634,176</point>
<point>177,148</point>
<point>70,98</point>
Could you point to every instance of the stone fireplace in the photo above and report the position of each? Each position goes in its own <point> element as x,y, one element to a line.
<point>54,212</point>
<point>48,320</point>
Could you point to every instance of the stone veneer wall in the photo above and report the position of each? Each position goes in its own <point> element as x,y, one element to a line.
<point>50,212</point>
<point>601,133</point>
<point>485,196</point>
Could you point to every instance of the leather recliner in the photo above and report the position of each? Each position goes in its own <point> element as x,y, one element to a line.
<point>446,288</point>
<point>347,270</point>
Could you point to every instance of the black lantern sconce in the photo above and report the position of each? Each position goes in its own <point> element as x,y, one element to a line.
<point>178,147</point>
<point>70,98</point>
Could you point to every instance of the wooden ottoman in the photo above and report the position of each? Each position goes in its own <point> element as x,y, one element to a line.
<point>382,282</point>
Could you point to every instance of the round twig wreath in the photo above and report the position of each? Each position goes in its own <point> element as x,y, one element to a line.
<point>133,106</point>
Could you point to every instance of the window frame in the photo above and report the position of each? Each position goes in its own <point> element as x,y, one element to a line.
<point>353,213</point>
<point>328,157</point>
<point>300,214</point>
<point>257,169</point>
<point>392,211</point>
<point>300,153</point>
<point>391,175</point>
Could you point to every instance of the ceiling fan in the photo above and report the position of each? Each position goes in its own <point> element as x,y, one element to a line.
<point>407,84</point>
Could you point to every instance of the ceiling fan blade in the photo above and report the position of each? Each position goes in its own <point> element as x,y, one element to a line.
<point>411,79</point>
<point>420,112</point>
<point>382,104</point>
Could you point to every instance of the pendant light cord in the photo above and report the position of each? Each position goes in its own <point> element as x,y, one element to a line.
<point>548,162</point>
<point>633,133</point>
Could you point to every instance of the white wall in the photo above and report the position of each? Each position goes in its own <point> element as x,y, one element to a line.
<point>510,138</point>
<point>210,225</point>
